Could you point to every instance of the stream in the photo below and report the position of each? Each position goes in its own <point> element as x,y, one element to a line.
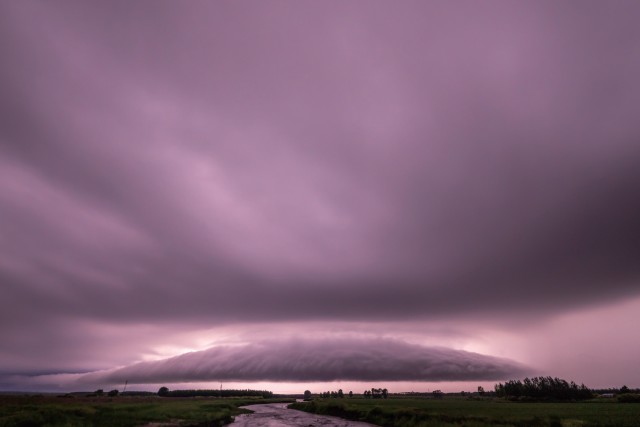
<point>277,415</point>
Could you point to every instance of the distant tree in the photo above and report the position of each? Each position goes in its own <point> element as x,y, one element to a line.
<point>163,391</point>
<point>307,395</point>
<point>624,389</point>
<point>437,394</point>
<point>350,394</point>
<point>385,393</point>
<point>543,388</point>
<point>99,392</point>
<point>113,393</point>
<point>481,390</point>
<point>340,393</point>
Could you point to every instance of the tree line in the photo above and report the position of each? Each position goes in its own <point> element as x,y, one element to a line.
<point>335,394</point>
<point>376,393</point>
<point>165,392</point>
<point>543,388</point>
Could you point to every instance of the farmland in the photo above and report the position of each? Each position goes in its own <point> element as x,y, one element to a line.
<point>455,411</point>
<point>122,411</point>
<point>396,411</point>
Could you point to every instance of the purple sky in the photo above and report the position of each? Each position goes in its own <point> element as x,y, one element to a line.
<point>437,193</point>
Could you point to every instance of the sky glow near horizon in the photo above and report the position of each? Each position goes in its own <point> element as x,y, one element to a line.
<point>326,195</point>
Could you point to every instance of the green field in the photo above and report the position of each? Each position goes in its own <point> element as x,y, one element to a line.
<point>450,411</point>
<point>50,411</point>
<point>105,411</point>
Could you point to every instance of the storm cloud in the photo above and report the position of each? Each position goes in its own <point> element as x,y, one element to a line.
<point>197,165</point>
<point>305,360</point>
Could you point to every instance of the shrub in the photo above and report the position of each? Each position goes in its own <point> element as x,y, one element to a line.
<point>629,398</point>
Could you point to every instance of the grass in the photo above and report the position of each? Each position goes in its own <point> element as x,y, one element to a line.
<point>49,411</point>
<point>459,412</point>
<point>41,411</point>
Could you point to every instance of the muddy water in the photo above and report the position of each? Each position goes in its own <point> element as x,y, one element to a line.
<point>277,415</point>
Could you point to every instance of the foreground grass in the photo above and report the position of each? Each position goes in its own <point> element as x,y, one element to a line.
<point>450,412</point>
<point>38,411</point>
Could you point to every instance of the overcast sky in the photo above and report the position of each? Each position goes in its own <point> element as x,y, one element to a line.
<point>435,193</point>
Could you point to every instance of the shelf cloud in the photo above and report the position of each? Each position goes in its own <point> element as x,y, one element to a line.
<point>308,360</point>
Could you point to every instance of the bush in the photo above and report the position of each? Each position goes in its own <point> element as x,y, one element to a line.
<point>629,398</point>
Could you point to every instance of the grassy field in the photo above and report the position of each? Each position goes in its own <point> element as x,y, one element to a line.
<point>51,411</point>
<point>450,412</point>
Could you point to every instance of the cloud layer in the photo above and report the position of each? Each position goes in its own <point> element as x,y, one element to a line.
<point>214,164</point>
<point>306,360</point>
